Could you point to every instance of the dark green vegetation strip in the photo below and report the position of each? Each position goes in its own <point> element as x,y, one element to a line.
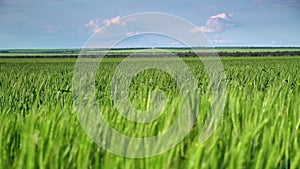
<point>182,52</point>
<point>260,128</point>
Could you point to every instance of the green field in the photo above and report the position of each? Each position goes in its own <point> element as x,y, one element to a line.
<point>260,127</point>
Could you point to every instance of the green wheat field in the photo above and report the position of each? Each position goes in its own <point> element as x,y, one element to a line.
<point>260,127</point>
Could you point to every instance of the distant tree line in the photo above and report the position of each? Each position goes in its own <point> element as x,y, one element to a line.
<point>180,54</point>
<point>257,54</point>
<point>4,51</point>
<point>210,54</point>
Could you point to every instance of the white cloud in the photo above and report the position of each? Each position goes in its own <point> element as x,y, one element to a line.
<point>222,16</point>
<point>217,23</point>
<point>115,20</point>
<point>222,41</point>
<point>95,24</point>
<point>132,33</point>
<point>277,42</point>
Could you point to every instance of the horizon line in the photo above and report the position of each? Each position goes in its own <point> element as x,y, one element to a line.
<point>148,47</point>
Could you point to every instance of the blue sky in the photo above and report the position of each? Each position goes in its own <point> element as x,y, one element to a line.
<point>65,23</point>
